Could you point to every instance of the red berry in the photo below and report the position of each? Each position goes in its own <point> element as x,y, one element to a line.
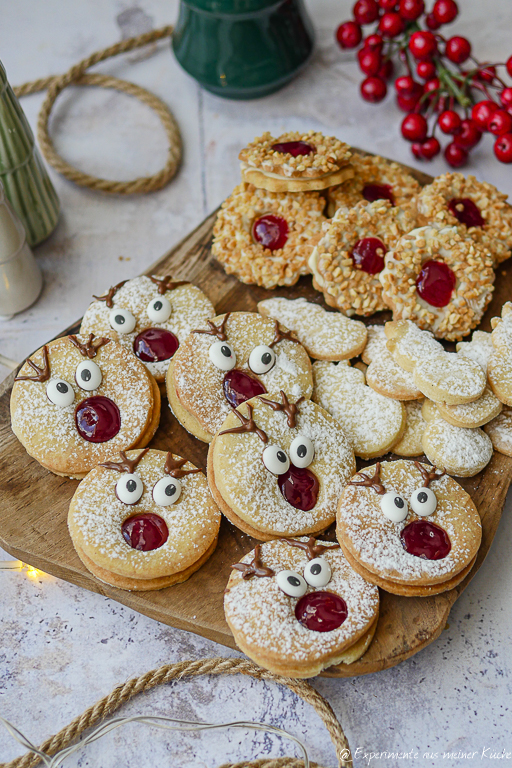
<point>408,103</point>
<point>388,5</point>
<point>509,65</point>
<point>487,74</point>
<point>426,70</point>
<point>445,11</point>
<point>391,25</point>
<point>432,85</point>
<point>506,97</point>
<point>431,22</point>
<point>366,11</point>
<point>503,148</point>
<point>414,127</point>
<point>411,9</point>
<point>349,34</point>
<point>500,123</point>
<point>416,150</point>
<point>369,61</point>
<point>373,41</point>
<point>386,69</point>
<point>455,155</point>
<point>449,122</point>
<point>373,89</point>
<point>469,135</point>
<point>430,148</point>
<point>422,45</point>
<point>482,112</point>
<point>458,49</point>
<point>405,85</point>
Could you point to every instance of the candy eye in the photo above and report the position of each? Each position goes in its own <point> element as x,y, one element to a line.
<point>394,506</point>
<point>318,572</point>
<point>122,320</point>
<point>159,310</point>
<point>129,489</point>
<point>167,491</point>
<point>60,392</point>
<point>424,502</point>
<point>262,359</point>
<point>291,583</point>
<point>302,451</point>
<point>222,355</point>
<point>276,460</point>
<point>88,375</point>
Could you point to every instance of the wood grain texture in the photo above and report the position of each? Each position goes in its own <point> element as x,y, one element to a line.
<point>34,505</point>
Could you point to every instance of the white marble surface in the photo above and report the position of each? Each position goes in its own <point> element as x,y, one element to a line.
<point>62,648</point>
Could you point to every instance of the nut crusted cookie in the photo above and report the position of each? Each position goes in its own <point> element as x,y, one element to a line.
<point>278,465</point>
<point>145,521</point>
<point>324,335</point>
<point>408,528</point>
<point>266,238</point>
<point>499,366</point>
<point>441,279</point>
<point>295,607</point>
<point>150,317</point>
<point>350,254</point>
<point>375,178</point>
<point>384,374</point>
<point>295,162</point>
<point>452,199</point>
<point>80,400</point>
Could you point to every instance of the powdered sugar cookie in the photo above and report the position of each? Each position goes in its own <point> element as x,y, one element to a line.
<point>384,375</point>
<point>478,349</point>
<point>474,414</point>
<point>453,199</point>
<point>80,400</point>
<point>266,238</point>
<point>459,451</point>
<point>324,335</point>
<point>150,317</point>
<point>375,178</point>
<point>145,521</point>
<point>237,356</point>
<point>499,366</point>
<point>500,432</point>
<point>408,344</point>
<point>295,607</point>
<point>350,255</point>
<point>408,528</point>
<point>410,443</point>
<point>440,279</point>
<point>295,162</point>
<point>278,466</point>
<point>372,422</point>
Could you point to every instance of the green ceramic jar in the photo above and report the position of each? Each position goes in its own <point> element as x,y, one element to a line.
<point>242,49</point>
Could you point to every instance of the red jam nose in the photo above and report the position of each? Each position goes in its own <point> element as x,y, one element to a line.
<point>299,487</point>
<point>97,419</point>
<point>466,212</point>
<point>239,387</point>
<point>426,540</point>
<point>294,148</point>
<point>155,344</point>
<point>321,611</point>
<point>373,192</point>
<point>435,283</point>
<point>368,255</point>
<point>270,231</point>
<point>145,531</point>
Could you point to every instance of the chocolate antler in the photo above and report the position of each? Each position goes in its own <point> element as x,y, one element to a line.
<point>427,475</point>
<point>290,409</point>
<point>311,546</point>
<point>248,425</point>
<point>216,330</point>
<point>280,334</point>
<point>126,464</point>
<point>255,567</point>
<point>90,348</point>
<point>42,373</point>
<point>166,283</point>
<point>173,467</point>
<point>108,298</point>
<point>371,482</point>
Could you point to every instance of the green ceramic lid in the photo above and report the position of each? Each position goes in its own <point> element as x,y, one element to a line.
<point>232,6</point>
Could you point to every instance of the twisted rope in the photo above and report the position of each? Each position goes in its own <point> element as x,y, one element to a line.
<point>78,75</point>
<point>165,674</point>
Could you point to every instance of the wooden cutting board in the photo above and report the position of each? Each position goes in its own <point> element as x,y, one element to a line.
<point>34,503</point>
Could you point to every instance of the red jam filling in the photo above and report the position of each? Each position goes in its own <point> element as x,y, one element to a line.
<point>373,192</point>
<point>239,387</point>
<point>155,344</point>
<point>299,487</point>
<point>435,283</point>
<point>270,231</point>
<point>294,148</point>
<point>321,611</point>
<point>423,539</point>
<point>368,255</point>
<point>466,211</point>
<point>97,419</point>
<point>145,531</point>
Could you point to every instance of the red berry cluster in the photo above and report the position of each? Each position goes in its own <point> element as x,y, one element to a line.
<point>436,91</point>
